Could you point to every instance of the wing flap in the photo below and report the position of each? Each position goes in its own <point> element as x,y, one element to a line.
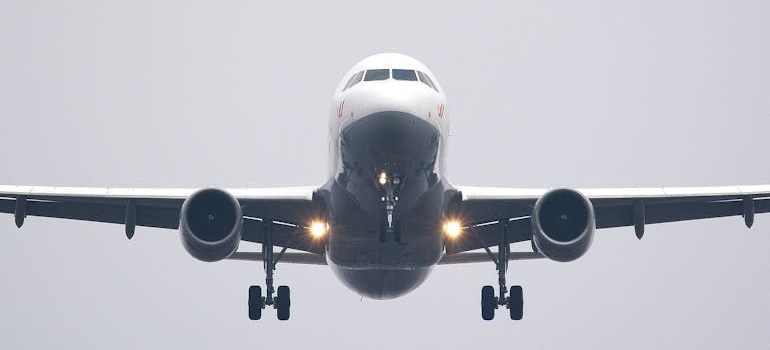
<point>483,257</point>
<point>283,236</point>
<point>285,258</point>
<point>477,237</point>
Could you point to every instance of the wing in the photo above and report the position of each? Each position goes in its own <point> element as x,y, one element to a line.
<point>160,208</point>
<point>614,207</point>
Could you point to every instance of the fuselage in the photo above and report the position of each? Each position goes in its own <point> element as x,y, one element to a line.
<point>388,129</point>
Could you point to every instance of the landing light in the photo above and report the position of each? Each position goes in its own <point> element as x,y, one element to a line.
<point>318,229</point>
<point>383,178</point>
<point>453,229</point>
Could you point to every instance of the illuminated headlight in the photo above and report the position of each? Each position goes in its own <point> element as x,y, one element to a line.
<point>318,229</point>
<point>383,178</point>
<point>452,228</point>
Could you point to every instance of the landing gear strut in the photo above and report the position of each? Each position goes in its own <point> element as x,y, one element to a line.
<point>282,301</point>
<point>515,300</point>
<point>390,226</point>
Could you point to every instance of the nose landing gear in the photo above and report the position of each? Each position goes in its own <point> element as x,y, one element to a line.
<point>390,226</point>
<point>390,230</point>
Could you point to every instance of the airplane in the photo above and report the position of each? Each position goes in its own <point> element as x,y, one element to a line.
<point>387,213</point>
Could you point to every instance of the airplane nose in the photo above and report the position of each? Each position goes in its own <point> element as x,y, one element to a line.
<point>388,96</point>
<point>390,136</point>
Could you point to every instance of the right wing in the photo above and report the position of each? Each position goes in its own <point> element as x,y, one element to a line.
<point>160,208</point>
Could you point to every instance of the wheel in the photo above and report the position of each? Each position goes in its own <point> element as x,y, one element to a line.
<point>488,303</point>
<point>255,302</point>
<point>516,303</point>
<point>283,302</point>
<point>383,231</point>
<point>397,231</point>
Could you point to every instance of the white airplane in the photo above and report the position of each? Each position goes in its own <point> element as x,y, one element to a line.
<point>387,214</point>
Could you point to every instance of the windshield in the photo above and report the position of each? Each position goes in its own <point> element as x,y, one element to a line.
<point>404,74</point>
<point>426,80</point>
<point>377,74</point>
<point>355,79</point>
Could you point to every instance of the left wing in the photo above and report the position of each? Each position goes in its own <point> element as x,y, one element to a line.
<point>614,207</point>
<point>160,208</point>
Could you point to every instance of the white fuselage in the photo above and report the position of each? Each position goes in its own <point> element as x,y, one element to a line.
<point>370,97</point>
<point>388,127</point>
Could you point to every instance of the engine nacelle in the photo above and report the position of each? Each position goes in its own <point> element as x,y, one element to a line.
<point>210,224</point>
<point>563,224</point>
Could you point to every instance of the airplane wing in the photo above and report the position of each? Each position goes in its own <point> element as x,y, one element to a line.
<point>160,208</point>
<point>614,207</point>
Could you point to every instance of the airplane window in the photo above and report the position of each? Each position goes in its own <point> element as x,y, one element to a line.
<point>377,74</point>
<point>426,80</point>
<point>355,79</point>
<point>404,74</point>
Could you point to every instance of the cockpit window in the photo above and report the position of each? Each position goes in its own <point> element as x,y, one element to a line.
<point>377,74</point>
<point>355,79</point>
<point>426,80</point>
<point>404,74</point>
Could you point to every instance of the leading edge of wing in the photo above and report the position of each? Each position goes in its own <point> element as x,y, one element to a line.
<point>471,193</point>
<point>45,192</point>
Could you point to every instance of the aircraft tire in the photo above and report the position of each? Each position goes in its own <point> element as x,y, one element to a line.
<point>488,303</point>
<point>382,232</point>
<point>516,303</point>
<point>283,302</point>
<point>397,231</point>
<point>255,303</point>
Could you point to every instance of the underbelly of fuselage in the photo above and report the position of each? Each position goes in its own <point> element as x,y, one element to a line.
<point>363,248</point>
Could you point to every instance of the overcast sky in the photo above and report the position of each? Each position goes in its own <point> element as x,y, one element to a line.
<point>236,94</point>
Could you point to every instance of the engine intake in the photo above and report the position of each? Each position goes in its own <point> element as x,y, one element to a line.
<point>563,224</point>
<point>210,224</point>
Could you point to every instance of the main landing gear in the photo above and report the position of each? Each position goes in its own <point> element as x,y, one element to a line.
<point>515,299</point>
<point>282,301</point>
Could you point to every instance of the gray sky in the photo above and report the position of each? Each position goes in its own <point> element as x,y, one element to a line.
<point>236,94</point>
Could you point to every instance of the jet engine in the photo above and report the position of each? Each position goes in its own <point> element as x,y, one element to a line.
<point>210,224</point>
<point>563,224</point>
